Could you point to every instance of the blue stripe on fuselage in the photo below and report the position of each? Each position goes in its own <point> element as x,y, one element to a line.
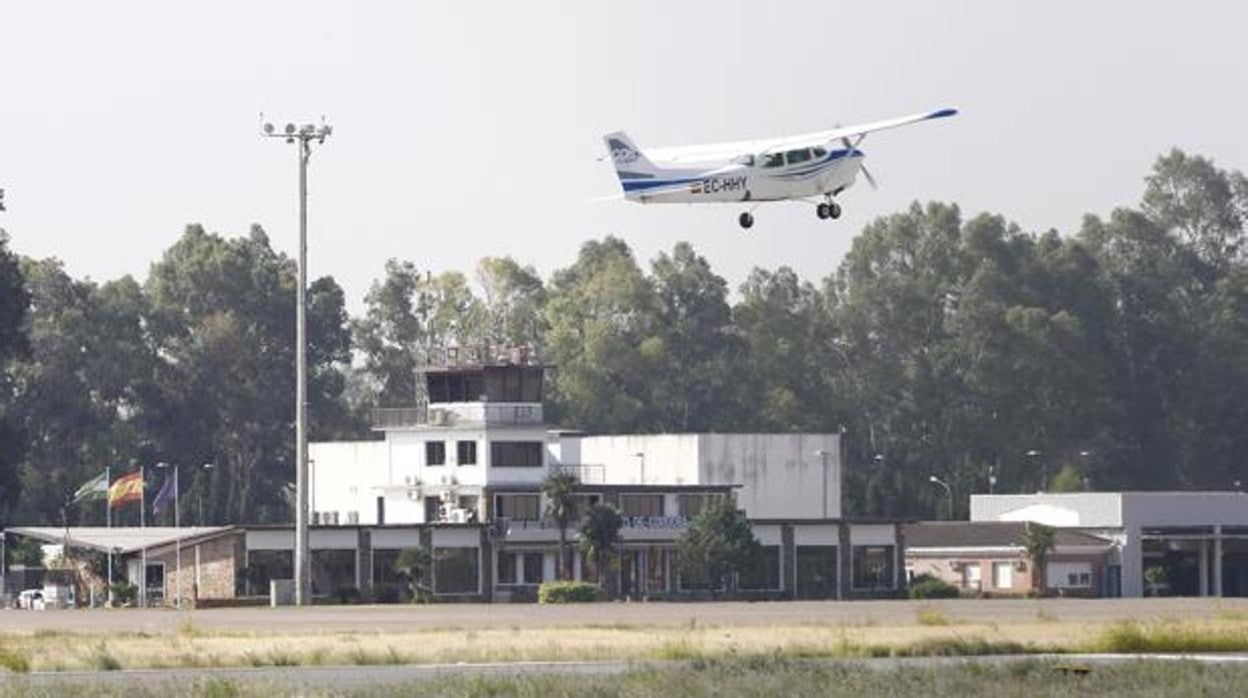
<point>643,185</point>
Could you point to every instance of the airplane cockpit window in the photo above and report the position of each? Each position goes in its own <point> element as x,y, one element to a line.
<point>796,156</point>
<point>773,160</point>
<point>747,160</point>
<point>818,152</point>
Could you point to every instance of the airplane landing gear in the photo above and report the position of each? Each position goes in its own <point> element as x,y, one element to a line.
<point>746,220</point>
<point>830,209</point>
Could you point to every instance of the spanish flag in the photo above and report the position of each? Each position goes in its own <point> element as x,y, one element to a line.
<point>126,489</point>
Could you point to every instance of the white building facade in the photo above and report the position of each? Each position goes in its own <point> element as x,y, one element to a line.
<point>475,454</point>
<point>1166,543</point>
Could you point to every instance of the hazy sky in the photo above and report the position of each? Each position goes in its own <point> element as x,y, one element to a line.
<point>471,129</point>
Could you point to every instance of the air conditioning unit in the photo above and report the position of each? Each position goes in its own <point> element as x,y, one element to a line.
<point>439,417</point>
<point>414,495</point>
<point>458,516</point>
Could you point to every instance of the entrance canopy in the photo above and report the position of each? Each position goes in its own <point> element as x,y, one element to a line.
<point>117,539</point>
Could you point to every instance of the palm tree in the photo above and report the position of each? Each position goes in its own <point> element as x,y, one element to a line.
<point>1038,541</point>
<point>562,508</point>
<point>598,537</point>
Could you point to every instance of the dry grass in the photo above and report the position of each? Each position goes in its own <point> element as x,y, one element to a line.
<point>931,633</point>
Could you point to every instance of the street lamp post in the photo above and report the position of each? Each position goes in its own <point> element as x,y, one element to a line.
<point>948,492</point>
<point>177,524</point>
<point>303,136</point>
<point>205,466</point>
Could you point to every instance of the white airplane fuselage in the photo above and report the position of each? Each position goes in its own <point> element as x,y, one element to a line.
<point>736,182</point>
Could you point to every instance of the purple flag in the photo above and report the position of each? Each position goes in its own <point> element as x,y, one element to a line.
<point>164,496</point>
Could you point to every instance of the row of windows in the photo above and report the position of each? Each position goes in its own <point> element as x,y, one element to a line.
<point>527,507</point>
<point>793,157</point>
<point>493,384</point>
<point>503,454</point>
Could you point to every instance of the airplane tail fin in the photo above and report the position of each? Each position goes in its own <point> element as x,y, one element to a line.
<point>630,161</point>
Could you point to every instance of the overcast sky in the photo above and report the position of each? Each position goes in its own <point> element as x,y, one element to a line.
<point>463,130</point>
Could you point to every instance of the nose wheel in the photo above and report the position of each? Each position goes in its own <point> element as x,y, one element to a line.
<point>746,220</point>
<point>829,209</point>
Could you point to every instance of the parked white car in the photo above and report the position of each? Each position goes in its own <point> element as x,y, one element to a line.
<point>31,599</point>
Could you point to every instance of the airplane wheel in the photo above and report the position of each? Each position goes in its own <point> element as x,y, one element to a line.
<point>822,211</point>
<point>746,220</point>
<point>834,210</point>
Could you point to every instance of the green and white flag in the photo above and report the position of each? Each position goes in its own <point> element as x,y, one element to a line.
<point>95,488</point>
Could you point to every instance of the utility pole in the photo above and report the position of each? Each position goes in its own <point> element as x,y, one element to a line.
<point>303,136</point>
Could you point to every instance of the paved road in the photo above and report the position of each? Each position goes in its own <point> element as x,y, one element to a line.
<point>407,617</point>
<point>342,678</point>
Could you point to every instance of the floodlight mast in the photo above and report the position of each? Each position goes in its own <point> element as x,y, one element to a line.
<point>304,137</point>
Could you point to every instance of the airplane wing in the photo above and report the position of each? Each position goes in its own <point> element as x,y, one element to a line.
<point>728,151</point>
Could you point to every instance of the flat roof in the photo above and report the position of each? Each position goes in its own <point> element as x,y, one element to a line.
<point>118,539</point>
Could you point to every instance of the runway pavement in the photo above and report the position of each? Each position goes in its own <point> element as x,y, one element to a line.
<point>416,617</point>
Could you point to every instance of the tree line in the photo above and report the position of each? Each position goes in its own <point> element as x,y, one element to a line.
<point>1112,356</point>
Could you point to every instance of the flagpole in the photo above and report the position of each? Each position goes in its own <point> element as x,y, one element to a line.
<point>142,525</point>
<point>177,524</point>
<point>108,521</point>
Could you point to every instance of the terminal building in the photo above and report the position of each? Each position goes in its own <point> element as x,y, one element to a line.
<point>460,474</point>
<point>465,468</point>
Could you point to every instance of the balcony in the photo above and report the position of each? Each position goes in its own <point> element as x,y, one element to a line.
<point>475,414</point>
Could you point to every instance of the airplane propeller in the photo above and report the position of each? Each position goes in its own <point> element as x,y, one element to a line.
<point>851,147</point>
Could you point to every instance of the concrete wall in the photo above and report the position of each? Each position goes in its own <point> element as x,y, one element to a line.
<point>1065,510</point>
<point>346,476</point>
<point>669,459</point>
<point>781,475</point>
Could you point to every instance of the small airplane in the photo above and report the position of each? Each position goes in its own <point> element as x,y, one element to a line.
<point>797,168</point>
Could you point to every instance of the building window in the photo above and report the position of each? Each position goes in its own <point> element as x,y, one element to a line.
<point>1069,575</point>
<point>763,573</point>
<point>516,454</point>
<point>466,452</point>
<point>520,507</point>
<point>1003,575</point>
<point>521,568</point>
<point>266,565</point>
<point>435,453</point>
<point>455,571</point>
<point>690,505</point>
<point>816,571</point>
<point>972,577</point>
<point>873,566</point>
<point>641,504</point>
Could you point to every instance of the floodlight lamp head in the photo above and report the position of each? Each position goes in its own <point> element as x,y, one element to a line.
<point>933,478</point>
<point>268,129</point>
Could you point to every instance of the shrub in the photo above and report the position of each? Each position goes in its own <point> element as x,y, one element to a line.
<point>930,616</point>
<point>347,594</point>
<point>568,592</point>
<point>124,593</point>
<point>925,586</point>
<point>15,661</point>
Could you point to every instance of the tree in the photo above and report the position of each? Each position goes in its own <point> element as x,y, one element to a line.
<point>515,298</point>
<point>221,320</point>
<point>14,305</point>
<point>415,566</point>
<point>718,543</point>
<point>598,538</point>
<point>1038,542</point>
<point>695,353</point>
<point>600,311</point>
<point>562,508</point>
